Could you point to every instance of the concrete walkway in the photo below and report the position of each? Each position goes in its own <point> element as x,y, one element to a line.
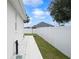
<point>32,50</point>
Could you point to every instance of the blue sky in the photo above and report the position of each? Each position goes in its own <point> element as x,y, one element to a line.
<point>37,10</point>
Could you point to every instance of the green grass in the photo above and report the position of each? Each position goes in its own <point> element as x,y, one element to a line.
<point>28,34</point>
<point>47,50</point>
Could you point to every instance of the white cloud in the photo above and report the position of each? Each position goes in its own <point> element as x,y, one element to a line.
<point>40,14</point>
<point>33,2</point>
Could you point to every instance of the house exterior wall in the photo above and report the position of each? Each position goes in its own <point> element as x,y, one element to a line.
<point>20,32</point>
<point>59,37</point>
<point>14,32</point>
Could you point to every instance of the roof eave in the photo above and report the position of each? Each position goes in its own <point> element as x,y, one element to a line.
<point>18,5</point>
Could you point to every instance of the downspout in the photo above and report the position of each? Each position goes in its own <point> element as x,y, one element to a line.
<point>16,42</point>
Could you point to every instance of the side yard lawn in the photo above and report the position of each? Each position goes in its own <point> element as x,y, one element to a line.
<point>47,50</point>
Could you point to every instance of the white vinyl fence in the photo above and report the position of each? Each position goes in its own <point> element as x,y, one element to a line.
<point>28,30</point>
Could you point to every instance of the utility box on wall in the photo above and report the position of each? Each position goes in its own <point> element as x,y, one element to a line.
<point>19,57</point>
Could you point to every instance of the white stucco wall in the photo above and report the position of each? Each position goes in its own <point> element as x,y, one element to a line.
<point>10,30</point>
<point>20,32</point>
<point>13,34</point>
<point>59,37</point>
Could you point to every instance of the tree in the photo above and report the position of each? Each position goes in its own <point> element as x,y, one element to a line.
<point>27,21</point>
<point>61,10</point>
